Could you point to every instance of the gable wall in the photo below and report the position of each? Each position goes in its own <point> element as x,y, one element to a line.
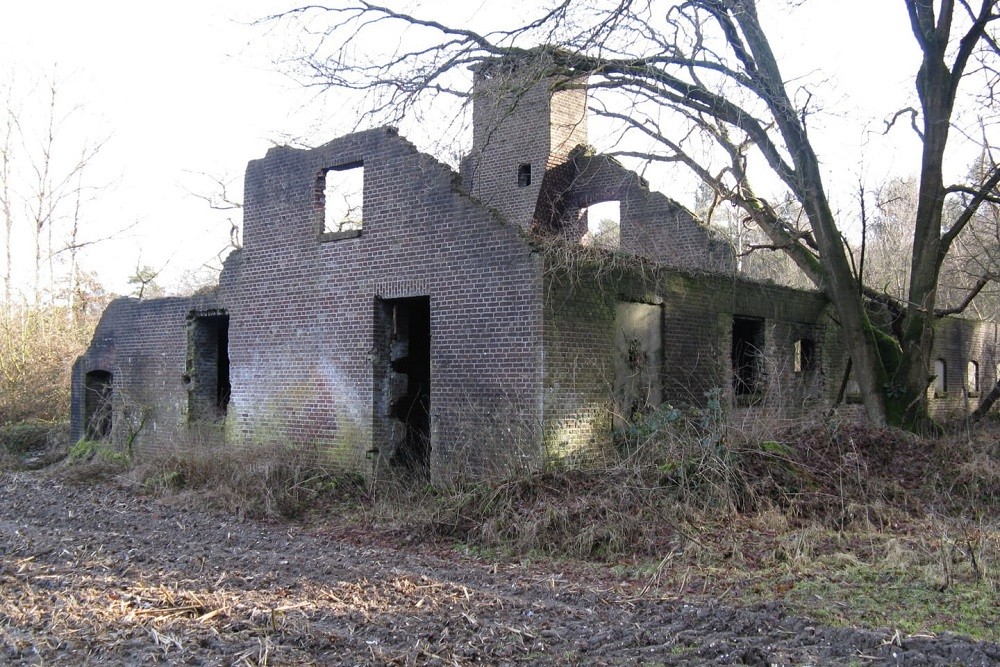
<point>303,310</point>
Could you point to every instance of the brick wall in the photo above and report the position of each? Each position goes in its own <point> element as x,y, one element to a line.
<point>585,289</point>
<point>303,311</point>
<point>958,342</point>
<point>520,121</point>
<point>652,225</point>
<point>524,325</point>
<point>143,344</point>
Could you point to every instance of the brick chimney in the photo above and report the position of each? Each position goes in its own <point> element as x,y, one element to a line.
<point>525,122</point>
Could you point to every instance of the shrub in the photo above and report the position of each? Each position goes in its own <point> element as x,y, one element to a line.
<point>37,348</point>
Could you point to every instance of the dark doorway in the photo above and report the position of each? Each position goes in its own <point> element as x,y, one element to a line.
<point>748,355</point>
<point>207,374</point>
<point>97,405</point>
<point>403,380</point>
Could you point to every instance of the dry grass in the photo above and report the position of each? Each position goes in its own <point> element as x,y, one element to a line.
<point>580,513</point>
<point>88,607</point>
<point>32,444</point>
<point>843,522</point>
<point>36,346</point>
<point>840,521</point>
<point>259,481</point>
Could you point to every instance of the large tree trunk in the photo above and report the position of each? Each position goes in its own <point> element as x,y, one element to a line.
<point>907,390</point>
<point>835,276</point>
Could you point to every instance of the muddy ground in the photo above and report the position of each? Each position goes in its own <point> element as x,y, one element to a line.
<point>101,575</point>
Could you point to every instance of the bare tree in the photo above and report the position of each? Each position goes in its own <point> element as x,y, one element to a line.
<point>683,73</point>
<point>144,279</point>
<point>9,128</point>
<point>43,184</point>
<point>891,209</point>
<point>215,191</point>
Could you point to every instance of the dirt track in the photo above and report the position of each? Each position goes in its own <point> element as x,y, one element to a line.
<point>97,575</point>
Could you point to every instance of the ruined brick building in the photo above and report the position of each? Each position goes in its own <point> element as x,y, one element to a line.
<point>467,322</point>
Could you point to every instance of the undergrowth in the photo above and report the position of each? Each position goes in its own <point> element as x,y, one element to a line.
<point>259,481</point>
<point>843,522</point>
<point>32,444</point>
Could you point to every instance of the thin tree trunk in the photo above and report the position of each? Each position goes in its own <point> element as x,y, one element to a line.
<point>6,159</point>
<point>986,404</point>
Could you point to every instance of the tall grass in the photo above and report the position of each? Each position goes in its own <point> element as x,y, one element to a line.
<point>262,480</point>
<point>37,348</point>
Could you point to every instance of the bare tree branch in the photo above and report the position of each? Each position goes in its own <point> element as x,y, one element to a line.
<point>973,293</point>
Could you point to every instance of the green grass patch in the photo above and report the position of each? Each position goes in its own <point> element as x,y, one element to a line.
<point>96,450</point>
<point>863,595</point>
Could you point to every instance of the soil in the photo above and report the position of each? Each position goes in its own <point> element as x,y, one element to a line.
<point>98,574</point>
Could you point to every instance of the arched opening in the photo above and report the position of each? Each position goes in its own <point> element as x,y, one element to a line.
<point>940,377</point>
<point>972,378</point>
<point>604,223</point>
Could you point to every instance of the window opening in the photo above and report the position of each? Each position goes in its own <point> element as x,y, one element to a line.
<point>853,392</point>
<point>524,175</point>
<point>603,221</point>
<point>940,377</point>
<point>973,377</point>
<point>98,405</point>
<point>805,355</point>
<point>207,375</point>
<point>403,380</point>
<point>341,193</point>
<point>748,355</point>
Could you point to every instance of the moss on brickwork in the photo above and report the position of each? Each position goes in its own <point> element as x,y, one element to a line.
<point>583,289</point>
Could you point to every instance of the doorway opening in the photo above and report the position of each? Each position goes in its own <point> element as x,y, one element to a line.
<point>97,405</point>
<point>403,380</point>
<point>207,375</point>
<point>748,355</point>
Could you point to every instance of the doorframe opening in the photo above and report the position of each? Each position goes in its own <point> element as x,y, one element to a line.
<point>207,368</point>
<point>98,405</point>
<point>403,381</point>
<point>748,356</point>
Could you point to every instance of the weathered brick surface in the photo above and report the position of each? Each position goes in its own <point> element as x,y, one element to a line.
<point>960,341</point>
<point>518,122</point>
<point>303,311</point>
<point>143,344</point>
<point>523,321</point>
<point>697,328</point>
<point>651,225</point>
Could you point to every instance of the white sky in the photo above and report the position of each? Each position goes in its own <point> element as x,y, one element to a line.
<point>187,86</point>
<point>177,87</point>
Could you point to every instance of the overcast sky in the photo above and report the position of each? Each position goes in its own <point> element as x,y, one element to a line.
<point>187,87</point>
<point>176,88</point>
